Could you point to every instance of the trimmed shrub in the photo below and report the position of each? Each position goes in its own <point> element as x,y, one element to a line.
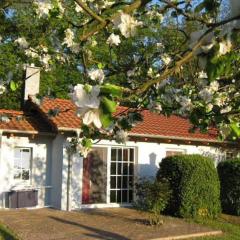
<point>194,183</point>
<point>229,175</point>
<point>152,196</point>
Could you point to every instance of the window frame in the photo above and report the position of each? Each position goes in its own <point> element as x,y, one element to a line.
<point>122,175</point>
<point>20,180</point>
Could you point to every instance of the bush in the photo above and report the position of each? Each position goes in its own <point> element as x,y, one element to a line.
<point>195,186</point>
<point>229,175</point>
<point>152,196</point>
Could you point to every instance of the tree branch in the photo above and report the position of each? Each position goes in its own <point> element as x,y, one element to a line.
<point>89,11</point>
<point>128,9</point>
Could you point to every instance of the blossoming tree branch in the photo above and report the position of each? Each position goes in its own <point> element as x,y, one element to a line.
<point>170,56</point>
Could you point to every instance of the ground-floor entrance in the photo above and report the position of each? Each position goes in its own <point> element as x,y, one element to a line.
<point>108,176</point>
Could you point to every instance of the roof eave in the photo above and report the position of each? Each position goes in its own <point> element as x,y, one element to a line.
<point>176,138</point>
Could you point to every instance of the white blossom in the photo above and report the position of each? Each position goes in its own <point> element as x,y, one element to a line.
<point>206,95</point>
<point>121,136</point>
<point>214,86</point>
<point>92,116</point>
<point>22,42</point>
<point>43,7</point>
<point>2,88</point>
<point>31,53</point>
<point>166,59</point>
<point>150,72</point>
<point>209,107</point>
<point>45,60</point>
<point>82,99</point>
<point>69,36</point>
<point>82,150</point>
<point>78,8</point>
<point>75,48</point>
<point>202,74</point>
<point>224,47</point>
<point>226,109</point>
<point>96,75</point>
<point>126,24</point>
<point>131,73</point>
<point>154,107</point>
<point>159,45</point>
<point>186,103</point>
<point>113,39</point>
<point>87,104</point>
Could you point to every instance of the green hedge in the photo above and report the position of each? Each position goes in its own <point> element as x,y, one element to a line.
<point>194,185</point>
<point>229,175</point>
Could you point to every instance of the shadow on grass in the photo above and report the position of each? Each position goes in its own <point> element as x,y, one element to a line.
<point>94,232</point>
<point>5,234</point>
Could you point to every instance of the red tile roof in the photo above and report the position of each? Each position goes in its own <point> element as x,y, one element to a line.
<point>153,124</point>
<point>67,118</point>
<point>20,121</point>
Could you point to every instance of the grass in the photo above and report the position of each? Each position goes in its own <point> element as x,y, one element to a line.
<point>230,225</point>
<point>6,234</point>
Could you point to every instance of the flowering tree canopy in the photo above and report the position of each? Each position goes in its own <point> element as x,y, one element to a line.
<point>170,56</point>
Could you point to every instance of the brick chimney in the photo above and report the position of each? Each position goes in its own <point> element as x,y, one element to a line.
<point>32,82</point>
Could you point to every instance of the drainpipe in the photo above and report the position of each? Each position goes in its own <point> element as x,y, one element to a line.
<point>69,172</point>
<point>1,132</point>
<point>69,155</point>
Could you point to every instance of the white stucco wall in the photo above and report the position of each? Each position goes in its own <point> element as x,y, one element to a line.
<point>41,164</point>
<point>149,155</point>
<point>147,159</point>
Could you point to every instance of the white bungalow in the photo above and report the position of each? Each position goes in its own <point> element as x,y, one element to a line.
<point>36,170</point>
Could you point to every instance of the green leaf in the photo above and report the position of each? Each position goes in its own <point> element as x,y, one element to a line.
<point>235,128</point>
<point>87,142</point>
<point>106,119</point>
<point>13,86</point>
<point>108,105</point>
<point>100,66</point>
<point>114,90</point>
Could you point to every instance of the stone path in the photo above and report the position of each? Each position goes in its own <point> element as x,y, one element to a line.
<point>109,224</point>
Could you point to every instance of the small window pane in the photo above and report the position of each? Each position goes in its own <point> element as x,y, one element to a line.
<point>131,169</point>
<point>125,168</point>
<point>119,155</point>
<point>114,154</point>
<point>130,193</point>
<point>125,155</point>
<point>119,196</point>
<point>113,196</point>
<point>130,182</point>
<point>119,172</point>
<point>113,168</point>
<point>131,155</point>
<point>125,182</point>
<point>113,183</point>
<point>119,182</point>
<point>124,196</point>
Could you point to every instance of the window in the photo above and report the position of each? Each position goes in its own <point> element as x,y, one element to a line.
<point>121,175</point>
<point>22,162</point>
<point>174,152</point>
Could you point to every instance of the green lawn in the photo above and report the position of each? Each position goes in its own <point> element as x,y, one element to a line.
<point>230,225</point>
<point>6,234</point>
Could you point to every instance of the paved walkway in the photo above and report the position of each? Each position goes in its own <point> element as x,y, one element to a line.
<point>109,224</point>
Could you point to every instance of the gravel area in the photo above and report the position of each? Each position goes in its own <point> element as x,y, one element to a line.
<point>110,224</point>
